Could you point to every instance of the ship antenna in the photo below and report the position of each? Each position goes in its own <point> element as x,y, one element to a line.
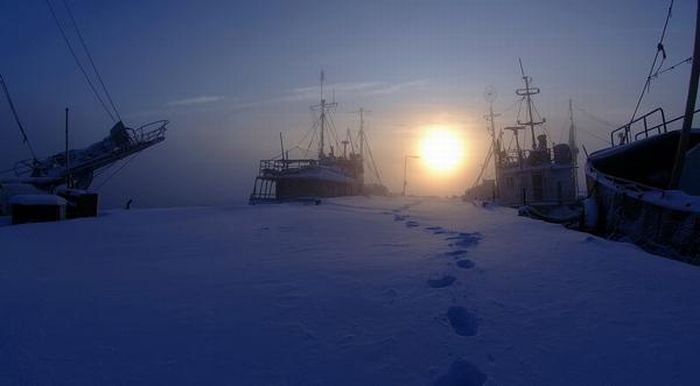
<point>528,92</point>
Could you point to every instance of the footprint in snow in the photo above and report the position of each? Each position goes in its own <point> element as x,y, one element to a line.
<point>465,264</point>
<point>411,224</point>
<point>441,282</point>
<point>399,218</point>
<point>463,322</point>
<point>390,295</point>
<point>456,253</point>
<point>465,239</point>
<point>462,373</point>
<point>437,230</point>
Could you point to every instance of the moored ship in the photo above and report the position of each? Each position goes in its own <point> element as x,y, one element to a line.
<point>541,180</point>
<point>328,175</point>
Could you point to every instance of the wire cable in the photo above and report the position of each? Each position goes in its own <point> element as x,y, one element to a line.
<point>116,171</point>
<point>659,49</point>
<point>92,62</point>
<point>14,114</point>
<point>77,61</point>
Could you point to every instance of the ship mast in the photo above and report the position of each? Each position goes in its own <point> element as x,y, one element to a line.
<point>684,138</point>
<point>362,133</point>
<point>324,107</point>
<point>490,97</point>
<point>321,152</point>
<point>528,92</point>
<point>572,144</point>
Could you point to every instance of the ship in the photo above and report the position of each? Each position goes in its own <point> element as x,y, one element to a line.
<point>540,179</point>
<point>645,187</point>
<point>331,173</point>
<point>57,186</point>
<point>66,177</point>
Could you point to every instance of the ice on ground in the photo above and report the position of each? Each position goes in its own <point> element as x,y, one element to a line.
<point>336,294</point>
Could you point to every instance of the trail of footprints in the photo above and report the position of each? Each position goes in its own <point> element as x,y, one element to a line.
<point>462,321</point>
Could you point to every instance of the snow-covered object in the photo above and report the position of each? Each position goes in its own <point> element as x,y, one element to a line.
<point>319,172</point>
<point>37,200</point>
<point>629,184</point>
<point>69,191</point>
<point>7,190</point>
<point>355,291</point>
<point>11,189</point>
<point>590,214</point>
<point>121,142</point>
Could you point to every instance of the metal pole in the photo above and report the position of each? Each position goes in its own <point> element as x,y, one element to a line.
<point>689,108</point>
<point>362,133</point>
<point>282,145</point>
<point>405,164</point>
<point>573,146</point>
<point>321,149</point>
<point>492,116</point>
<point>529,104</point>
<point>68,176</point>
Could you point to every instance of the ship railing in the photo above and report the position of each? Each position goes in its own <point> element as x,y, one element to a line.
<point>96,155</point>
<point>273,166</point>
<point>150,131</point>
<point>24,167</point>
<point>529,157</point>
<point>624,132</point>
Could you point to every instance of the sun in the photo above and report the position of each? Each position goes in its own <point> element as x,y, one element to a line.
<point>441,149</point>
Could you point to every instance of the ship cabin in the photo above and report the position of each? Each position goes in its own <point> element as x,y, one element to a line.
<point>542,175</point>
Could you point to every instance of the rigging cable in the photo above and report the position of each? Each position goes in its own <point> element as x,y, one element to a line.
<point>667,69</point>
<point>374,164</point>
<point>116,171</point>
<point>602,121</point>
<point>659,49</point>
<point>92,62</point>
<point>77,61</point>
<point>25,139</point>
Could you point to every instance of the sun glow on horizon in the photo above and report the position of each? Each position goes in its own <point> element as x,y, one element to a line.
<point>441,149</point>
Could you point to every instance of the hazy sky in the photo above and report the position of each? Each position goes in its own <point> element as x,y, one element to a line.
<point>231,75</point>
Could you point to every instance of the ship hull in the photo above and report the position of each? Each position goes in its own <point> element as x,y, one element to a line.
<point>661,221</point>
<point>304,187</point>
<point>303,179</point>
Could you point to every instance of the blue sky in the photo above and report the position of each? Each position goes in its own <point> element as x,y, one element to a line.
<point>231,75</point>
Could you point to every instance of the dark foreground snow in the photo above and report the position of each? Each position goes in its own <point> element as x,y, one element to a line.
<point>352,292</point>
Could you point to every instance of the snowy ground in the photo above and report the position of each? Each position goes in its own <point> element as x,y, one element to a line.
<point>352,292</point>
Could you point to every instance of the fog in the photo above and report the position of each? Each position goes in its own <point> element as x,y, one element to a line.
<point>230,77</point>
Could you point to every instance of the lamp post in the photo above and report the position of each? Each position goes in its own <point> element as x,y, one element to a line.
<point>405,165</point>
